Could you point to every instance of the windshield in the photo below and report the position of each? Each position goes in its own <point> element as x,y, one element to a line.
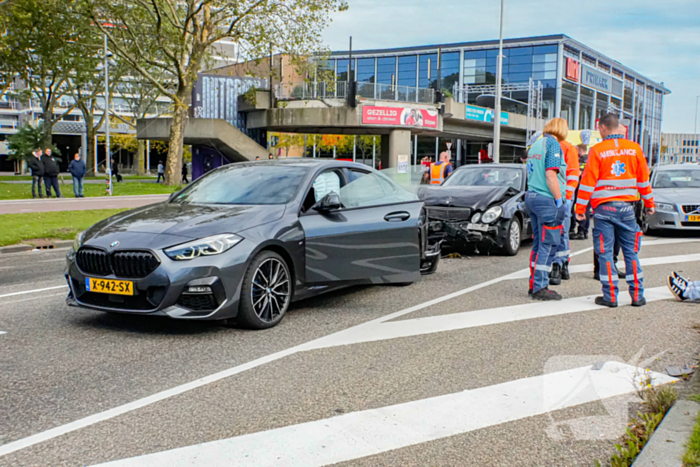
<point>486,176</point>
<point>677,179</point>
<point>262,184</point>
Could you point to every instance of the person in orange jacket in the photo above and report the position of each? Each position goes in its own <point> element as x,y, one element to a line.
<point>616,173</point>
<point>560,266</point>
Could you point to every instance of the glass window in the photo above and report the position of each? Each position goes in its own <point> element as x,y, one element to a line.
<point>342,72</point>
<point>449,70</point>
<point>520,59</point>
<point>386,70</point>
<point>518,51</point>
<point>365,70</point>
<point>408,66</point>
<point>475,54</point>
<point>243,184</point>
<point>616,87</point>
<point>486,176</point>
<point>546,49</point>
<point>427,74</point>
<point>587,92</point>
<point>677,179</point>
<point>372,189</point>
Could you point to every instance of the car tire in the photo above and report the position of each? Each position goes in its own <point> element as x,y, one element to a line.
<point>644,225</point>
<point>514,237</point>
<point>263,307</point>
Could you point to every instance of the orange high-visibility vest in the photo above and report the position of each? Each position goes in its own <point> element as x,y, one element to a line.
<point>437,173</point>
<point>573,172</point>
<point>616,171</point>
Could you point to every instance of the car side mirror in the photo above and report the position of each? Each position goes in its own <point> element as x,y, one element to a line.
<point>330,202</point>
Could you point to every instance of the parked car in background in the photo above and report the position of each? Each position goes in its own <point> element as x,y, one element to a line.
<point>479,204</point>
<point>244,241</point>
<point>677,196</point>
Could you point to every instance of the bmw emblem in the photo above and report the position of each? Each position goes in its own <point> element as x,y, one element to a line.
<point>114,244</point>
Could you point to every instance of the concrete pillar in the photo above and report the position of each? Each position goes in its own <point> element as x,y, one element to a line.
<point>393,144</point>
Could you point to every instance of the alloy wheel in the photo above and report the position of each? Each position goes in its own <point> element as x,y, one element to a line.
<point>514,236</point>
<point>271,290</point>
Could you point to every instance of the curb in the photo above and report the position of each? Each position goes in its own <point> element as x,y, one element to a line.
<point>24,247</point>
<point>667,445</point>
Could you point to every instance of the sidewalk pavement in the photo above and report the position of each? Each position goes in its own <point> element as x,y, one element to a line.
<point>22,206</point>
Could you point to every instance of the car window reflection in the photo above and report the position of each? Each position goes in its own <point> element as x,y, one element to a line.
<point>677,179</point>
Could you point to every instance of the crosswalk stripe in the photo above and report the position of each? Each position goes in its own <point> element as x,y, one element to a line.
<point>369,432</point>
<point>470,319</point>
<point>656,261</point>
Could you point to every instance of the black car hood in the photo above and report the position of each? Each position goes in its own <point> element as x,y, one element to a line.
<point>186,220</point>
<point>478,198</point>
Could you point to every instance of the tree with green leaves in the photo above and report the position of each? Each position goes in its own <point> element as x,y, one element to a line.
<point>179,36</point>
<point>49,48</point>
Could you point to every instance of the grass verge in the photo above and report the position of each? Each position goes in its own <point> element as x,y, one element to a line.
<point>62,225</point>
<point>24,190</point>
<point>691,458</point>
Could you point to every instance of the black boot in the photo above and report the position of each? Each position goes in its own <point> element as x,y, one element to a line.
<point>555,275</point>
<point>565,272</point>
<point>546,295</point>
<point>603,302</point>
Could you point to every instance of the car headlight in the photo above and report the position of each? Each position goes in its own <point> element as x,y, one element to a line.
<point>207,246</point>
<point>492,214</point>
<point>665,207</point>
<point>78,242</point>
<point>476,218</point>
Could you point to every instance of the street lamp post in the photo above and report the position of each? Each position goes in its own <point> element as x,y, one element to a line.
<point>108,159</point>
<point>497,112</point>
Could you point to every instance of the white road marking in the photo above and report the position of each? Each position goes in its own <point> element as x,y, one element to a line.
<point>140,403</point>
<point>34,291</point>
<point>470,319</point>
<point>3,332</point>
<point>369,432</point>
<point>525,273</point>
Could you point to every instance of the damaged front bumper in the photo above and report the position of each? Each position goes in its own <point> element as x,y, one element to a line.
<point>456,233</point>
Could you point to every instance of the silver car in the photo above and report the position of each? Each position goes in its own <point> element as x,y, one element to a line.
<point>677,197</point>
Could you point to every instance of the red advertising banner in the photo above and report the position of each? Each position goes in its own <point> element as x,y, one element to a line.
<point>399,116</point>
<point>572,69</point>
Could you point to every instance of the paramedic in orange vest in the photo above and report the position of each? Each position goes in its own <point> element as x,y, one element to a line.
<point>615,173</point>
<point>560,266</point>
<point>440,170</point>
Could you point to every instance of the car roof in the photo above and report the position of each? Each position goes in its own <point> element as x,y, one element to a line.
<point>304,162</point>
<point>677,167</point>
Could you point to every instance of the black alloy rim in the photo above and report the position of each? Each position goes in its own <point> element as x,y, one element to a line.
<point>270,291</point>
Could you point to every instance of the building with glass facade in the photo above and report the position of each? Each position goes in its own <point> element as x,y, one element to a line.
<point>579,83</point>
<point>679,148</point>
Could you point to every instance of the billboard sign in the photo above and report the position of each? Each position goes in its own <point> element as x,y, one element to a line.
<point>595,79</point>
<point>216,96</point>
<point>483,114</point>
<point>573,71</point>
<point>399,116</point>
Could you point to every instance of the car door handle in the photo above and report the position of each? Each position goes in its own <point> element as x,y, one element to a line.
<point>397,216</point>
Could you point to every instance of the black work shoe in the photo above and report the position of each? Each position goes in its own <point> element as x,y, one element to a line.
<point>555,275</point>
<point>565,276</point>
<point>603,302</point>
<point>529,291</point>
<point>640,302</point>
<point>576,236</point>
<point>546,295</point>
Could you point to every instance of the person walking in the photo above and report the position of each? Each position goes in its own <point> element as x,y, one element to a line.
<point>615,174</point>
<point>440,170</point>
<point>115,171</point>
<point>184,173</point>
<point>51,172</point>
<point>161,172</point>
<point>560,266</point>
<point>546,168</point>
<point>37,167</point>
<point>77,170</point>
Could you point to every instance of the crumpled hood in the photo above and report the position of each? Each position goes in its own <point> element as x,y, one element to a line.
<point>478,198</point>
<point>186,220</point>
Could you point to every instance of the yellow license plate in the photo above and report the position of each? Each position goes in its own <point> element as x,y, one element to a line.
<point>693,218</point>
<point>109,286</point>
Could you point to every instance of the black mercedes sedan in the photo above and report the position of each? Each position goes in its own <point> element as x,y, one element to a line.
<point>244,241</point>
<point>480,204</point>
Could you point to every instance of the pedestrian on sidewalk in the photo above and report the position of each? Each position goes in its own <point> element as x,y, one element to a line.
<point>51,172</point>
<point>77,170</point>
<point>161,172</point>
<point>115,171</point>
<point>682,288</point>
<point>616,173</point>
<point>37,167</point>
<point>560,266</point>
<point>546,168</point>
<point>184,173</point>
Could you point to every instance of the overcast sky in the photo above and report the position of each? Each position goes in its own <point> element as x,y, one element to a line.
<point>659,39</point>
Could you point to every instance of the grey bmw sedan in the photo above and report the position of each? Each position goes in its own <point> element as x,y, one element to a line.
<point>244,241</point>
<point>677,197</point>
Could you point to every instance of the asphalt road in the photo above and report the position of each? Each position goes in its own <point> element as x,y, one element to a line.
<point>77,204</point>
<point>458,369</point>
